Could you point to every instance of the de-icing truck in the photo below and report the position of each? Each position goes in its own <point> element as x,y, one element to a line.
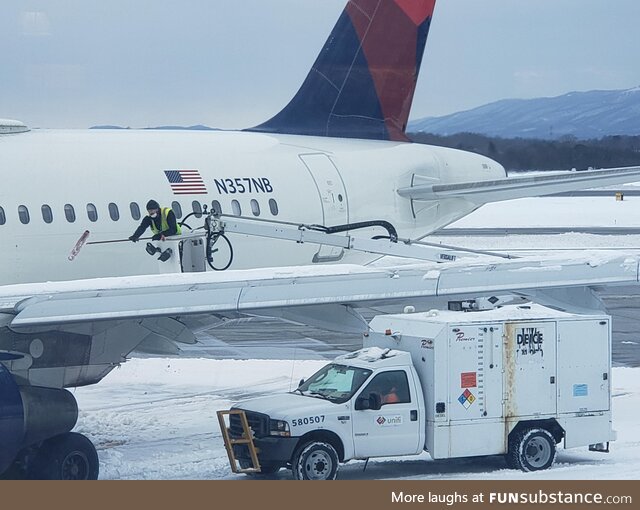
<point>514,381</point>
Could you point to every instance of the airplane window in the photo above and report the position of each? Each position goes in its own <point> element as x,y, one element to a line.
<point>92,212</point>
<point>23,214</point>
<point>113,212</point>
<point>3,218</point>
<point>177,210</point>
<point>135,211</point>
<point>197,208</point>
<point>255,207</point>
<point>235,207</point>
<point>47,215</point>
<point>216,207</point>
<point>70,213</point>
<point>273,206</point>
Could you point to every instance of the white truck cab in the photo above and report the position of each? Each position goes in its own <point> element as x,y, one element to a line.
<point>515,381</point>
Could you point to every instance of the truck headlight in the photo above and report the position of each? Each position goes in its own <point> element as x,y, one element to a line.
<point>279,428</point>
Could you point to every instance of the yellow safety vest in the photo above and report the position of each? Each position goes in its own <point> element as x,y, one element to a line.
<point>164,225</point>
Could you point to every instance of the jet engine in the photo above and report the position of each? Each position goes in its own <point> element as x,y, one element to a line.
<point>35,437</point>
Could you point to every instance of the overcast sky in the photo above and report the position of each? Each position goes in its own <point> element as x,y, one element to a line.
<point>234,63</point>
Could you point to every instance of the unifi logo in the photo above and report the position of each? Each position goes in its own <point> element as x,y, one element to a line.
<point>389,421</point>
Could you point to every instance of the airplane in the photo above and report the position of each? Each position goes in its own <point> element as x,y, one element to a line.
<point>337,154</point>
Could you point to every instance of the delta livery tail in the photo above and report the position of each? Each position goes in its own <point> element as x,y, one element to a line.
<point>363,81</point>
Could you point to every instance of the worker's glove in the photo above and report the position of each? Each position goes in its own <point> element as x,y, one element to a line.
<point>133,238</point>
<point>156,237</point>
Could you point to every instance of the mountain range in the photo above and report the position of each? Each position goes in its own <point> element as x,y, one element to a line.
<point>584,115</point>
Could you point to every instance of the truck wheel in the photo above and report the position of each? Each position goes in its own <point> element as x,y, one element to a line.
<point>315,461</point>
<point>531,450</point>
<point>69,456</point>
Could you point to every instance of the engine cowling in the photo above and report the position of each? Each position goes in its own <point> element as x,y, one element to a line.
<point>31,414</point>
<point>11,419</point>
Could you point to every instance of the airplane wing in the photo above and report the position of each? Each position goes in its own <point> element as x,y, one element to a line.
<point>521,187</point>
<point>68,334</point>
<point>249,291</point>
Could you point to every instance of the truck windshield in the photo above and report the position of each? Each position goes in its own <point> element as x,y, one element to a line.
<point>336,383</point>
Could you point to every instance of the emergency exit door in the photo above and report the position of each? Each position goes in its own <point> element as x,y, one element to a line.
<point>333,198</point>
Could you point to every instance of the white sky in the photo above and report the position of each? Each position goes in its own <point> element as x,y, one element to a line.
<point>231,63</point>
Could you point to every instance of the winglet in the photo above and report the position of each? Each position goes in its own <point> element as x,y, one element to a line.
<point>363,81</point>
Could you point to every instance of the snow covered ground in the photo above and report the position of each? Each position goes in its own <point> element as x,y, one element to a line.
<point>580,211</point>
<point>156,419</point>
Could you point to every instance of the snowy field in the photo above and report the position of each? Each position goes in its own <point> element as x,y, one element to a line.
<point>557,212</point>
<point>156,419</point>
<point>580,212</point>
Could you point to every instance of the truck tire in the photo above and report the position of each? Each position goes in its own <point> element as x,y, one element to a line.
<point>531,449</point>
<point>69,456</point>
<point>316,460</point>
<point>265,469</point>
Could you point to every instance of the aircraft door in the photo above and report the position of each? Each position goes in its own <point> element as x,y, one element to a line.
<point>333,197</point>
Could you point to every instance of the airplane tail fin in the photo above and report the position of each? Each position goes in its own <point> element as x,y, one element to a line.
<point>363,81</point>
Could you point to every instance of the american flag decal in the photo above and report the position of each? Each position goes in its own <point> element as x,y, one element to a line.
<point>186,182</point>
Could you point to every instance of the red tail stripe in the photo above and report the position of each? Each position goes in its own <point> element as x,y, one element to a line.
<point>417,10</point>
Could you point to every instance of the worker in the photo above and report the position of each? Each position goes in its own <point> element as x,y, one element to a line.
<point>162,221</point>
<point>390,396</point>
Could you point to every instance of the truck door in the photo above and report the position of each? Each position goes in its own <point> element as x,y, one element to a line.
<point>395,428</point>
<point>333,197</point>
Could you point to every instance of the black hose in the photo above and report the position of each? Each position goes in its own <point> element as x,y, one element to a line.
<point>393,233</point>
<point>212,239</point>
<point>196,214</point>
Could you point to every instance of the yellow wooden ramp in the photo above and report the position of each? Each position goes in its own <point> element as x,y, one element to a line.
<point>247,438</point>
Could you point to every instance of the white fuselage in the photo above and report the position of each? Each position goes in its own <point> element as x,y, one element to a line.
<point>313,180</point>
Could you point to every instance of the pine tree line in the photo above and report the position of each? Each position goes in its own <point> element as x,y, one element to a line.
<point>532,154</point>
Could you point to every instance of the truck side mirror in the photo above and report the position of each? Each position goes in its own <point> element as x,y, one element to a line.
<point>362,403</point>
<point>373,401</point>
<point>301,382</point>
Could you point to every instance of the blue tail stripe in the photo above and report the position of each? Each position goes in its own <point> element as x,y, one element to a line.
<point>333,97</point>
<point>362,83</point>
<point>423,32</point>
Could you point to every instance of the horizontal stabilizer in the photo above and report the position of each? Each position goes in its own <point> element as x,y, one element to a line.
<point>509,188</point>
